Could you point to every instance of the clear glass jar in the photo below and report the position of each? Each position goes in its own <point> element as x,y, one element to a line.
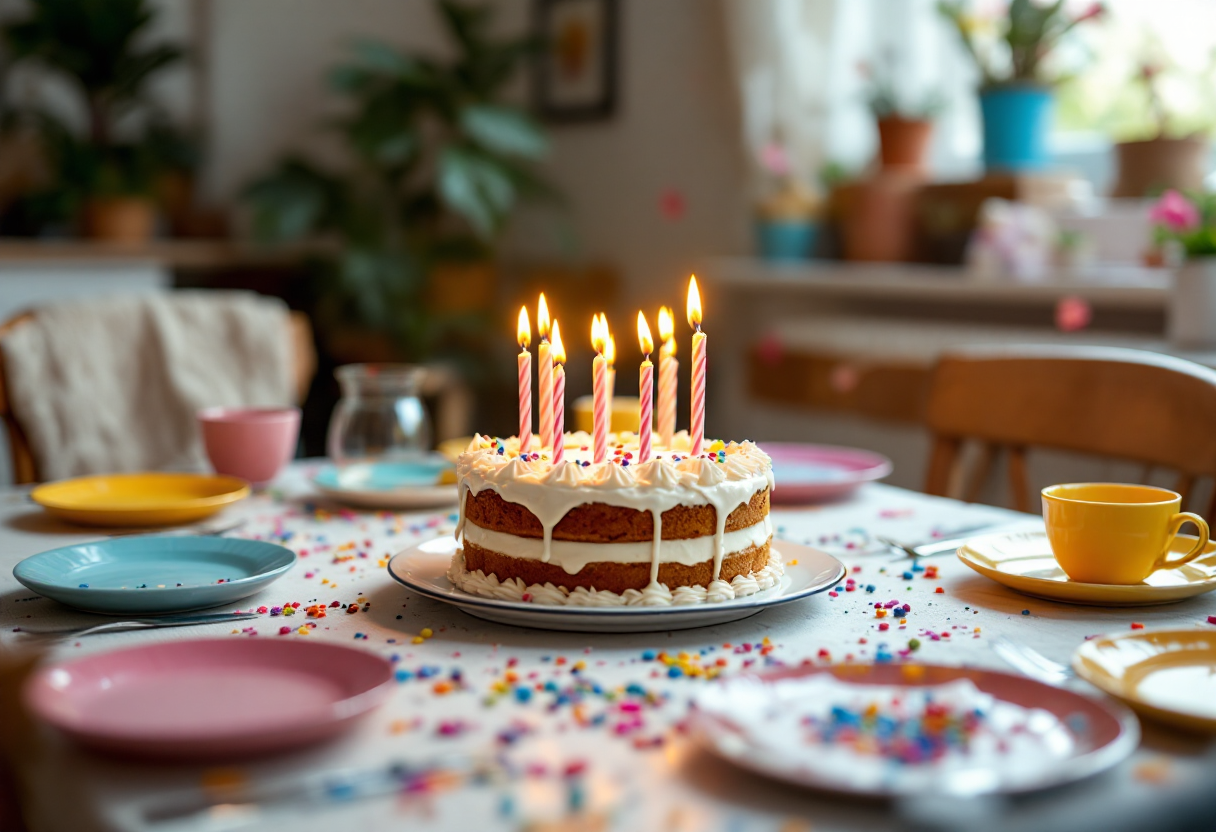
<point>380,416</point>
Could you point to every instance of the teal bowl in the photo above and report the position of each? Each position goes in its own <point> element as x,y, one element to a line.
<point>150,575</point>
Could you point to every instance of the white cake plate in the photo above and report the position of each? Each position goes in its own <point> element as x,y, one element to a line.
<point>424,569</point>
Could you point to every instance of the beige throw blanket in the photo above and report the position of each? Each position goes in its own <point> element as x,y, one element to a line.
<point>113,385</point>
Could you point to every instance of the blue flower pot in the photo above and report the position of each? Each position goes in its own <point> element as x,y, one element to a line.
<point>785,240</point>
<point>1016,123</point>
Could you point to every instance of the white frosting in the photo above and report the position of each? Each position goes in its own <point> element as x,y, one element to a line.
<point>726,478</point>
<point>654,595</point>
<point>573,555</point>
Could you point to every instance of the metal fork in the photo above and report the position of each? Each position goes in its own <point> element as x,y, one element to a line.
<point>1032,663</point>
<point>151,623</point>
<point>204,530</point>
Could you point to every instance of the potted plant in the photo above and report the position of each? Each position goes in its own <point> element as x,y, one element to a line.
<point>1016,85</point>
<point>436,164</point>
<point>787,227</point>
<point>1185,234</point>
<point>1164,160</point>
<point>904,129</point>
<point>104,173</point>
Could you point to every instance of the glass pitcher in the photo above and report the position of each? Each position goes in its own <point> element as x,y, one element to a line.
<point>380,416</point>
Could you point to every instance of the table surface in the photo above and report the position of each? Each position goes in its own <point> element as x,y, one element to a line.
<point>647,777</point>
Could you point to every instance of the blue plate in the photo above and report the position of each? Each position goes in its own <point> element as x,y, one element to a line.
<point>389,485</point>
<point>152,574</point>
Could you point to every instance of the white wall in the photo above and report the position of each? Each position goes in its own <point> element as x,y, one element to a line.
<point>675,126</point>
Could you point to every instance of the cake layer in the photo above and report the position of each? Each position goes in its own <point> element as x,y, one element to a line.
<point>574,555</point>
<point>615,577</point>
<point>601,523</point>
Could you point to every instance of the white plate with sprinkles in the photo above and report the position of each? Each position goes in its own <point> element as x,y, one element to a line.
<point>433,570</point>
<point>892,730</point>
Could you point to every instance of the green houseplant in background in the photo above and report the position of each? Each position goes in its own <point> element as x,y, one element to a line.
<point>1012,53</point>
<point>905,125</point>
<point>437,164</point>
<point>104,174</point>
<point>1171,154</point>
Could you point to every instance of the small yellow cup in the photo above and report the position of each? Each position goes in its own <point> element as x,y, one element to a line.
<point>1105,533</point>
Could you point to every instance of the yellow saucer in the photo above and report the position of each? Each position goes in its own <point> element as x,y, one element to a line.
<point>1023,561</point>
<point>151,499</point>
<point>1168,675</point>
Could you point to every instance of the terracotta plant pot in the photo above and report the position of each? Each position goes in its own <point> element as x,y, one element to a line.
<point>904,143</point>
<point>124,219</point>
<point>1155,165</point>
<point>877,217</point>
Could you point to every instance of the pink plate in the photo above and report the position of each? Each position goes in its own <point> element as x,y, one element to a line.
<point>210,698</point>
<point>818,473</point>
<point>736,721</point>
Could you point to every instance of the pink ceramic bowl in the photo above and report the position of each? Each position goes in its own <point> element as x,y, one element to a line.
<point>250,442</point>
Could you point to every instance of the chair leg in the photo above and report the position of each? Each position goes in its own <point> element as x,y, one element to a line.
<point>1184,486</point>
<point>983,469</point>
<point>1018,481</point>
<point>941,465</point>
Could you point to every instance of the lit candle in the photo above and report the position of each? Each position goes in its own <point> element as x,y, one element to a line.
<point>645,389</point>
<point>558,379</point>
<point>610,355</point>
<point>599,377</point>
<point>545,377</point>
<point>697,423</point>
<point>524,335</point>
<point>669,370</point>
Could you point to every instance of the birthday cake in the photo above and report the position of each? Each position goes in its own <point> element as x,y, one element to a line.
<point>676,529</point>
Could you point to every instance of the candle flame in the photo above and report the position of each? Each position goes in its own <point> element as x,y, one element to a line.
<point>644,339</point>
<point>557,350</point>
<point>610,350</point>
<point>523,330</point>
<point>694,304</point>
<point>599,333</point>
<point>667,330</point>
<point>542,317</point>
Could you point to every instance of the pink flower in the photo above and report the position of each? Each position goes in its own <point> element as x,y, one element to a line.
<point>774,159</point>
<point>1175,212</point>
<point>1095,10</point>
<point>1073,314</point>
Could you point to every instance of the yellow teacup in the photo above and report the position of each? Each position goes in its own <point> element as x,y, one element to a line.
<point>1105,533</point>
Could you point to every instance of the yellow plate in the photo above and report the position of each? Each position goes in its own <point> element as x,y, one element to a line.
<point>1168,675</point>
<point>1023,561</point>
<point>151,499</point>
<point>452,448</point>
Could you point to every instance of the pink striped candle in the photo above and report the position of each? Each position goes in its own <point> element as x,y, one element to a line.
<point>669,372</point>
<point>544,374</point>
<point>599,376</point>
<point>645,390</point>
<point>524,333</point>
<point>697,423</point>
<point>559,396</point>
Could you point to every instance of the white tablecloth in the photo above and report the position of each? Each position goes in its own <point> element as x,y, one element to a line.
<point>567,752</point>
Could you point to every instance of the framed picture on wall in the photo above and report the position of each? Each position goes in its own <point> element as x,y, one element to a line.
<point>576,72</point>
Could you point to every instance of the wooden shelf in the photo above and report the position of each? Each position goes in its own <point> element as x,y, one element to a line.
<point>169,254</point>
<point>1124,286</point>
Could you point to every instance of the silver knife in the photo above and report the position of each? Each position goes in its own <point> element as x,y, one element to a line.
<point>150,623</point>
<point>936,547</point>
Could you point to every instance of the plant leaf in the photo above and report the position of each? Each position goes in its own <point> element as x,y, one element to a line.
<point>503,130</point>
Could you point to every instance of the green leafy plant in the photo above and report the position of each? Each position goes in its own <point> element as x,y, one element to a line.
<point>884,98</point>
<point>437,164</point>
<point>98,46</point>
<point>1014,47</point>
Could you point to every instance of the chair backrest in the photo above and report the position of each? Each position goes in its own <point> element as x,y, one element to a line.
<point>1118,403</point>
<point>24,468</point>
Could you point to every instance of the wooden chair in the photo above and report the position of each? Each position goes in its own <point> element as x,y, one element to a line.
<point>1124,404</point>
<point>304,366</point>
